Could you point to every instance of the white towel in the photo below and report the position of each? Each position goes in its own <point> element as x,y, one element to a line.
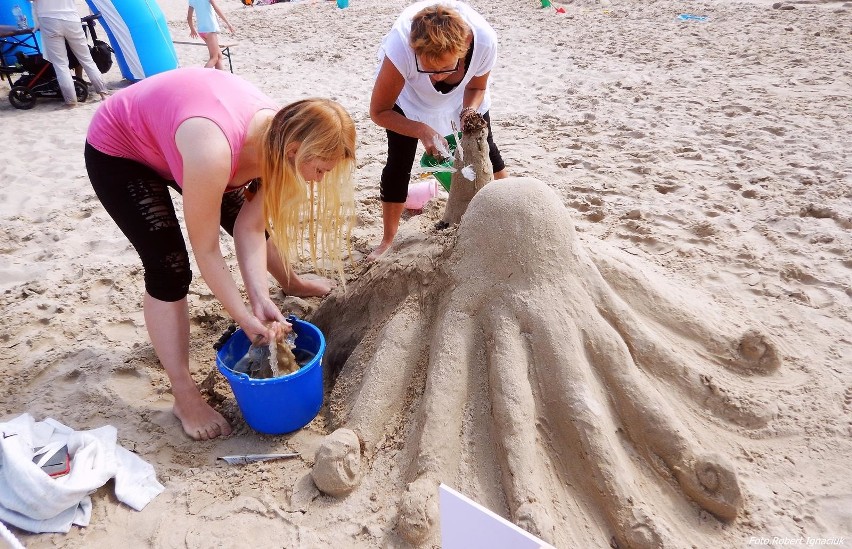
<point>32,500</point>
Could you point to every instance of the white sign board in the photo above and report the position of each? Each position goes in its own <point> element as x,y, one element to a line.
<point>466,524</point>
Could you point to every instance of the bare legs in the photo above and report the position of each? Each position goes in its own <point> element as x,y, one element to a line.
<point>168,328</point>
<point>216,57</point>
<point>392,212</point>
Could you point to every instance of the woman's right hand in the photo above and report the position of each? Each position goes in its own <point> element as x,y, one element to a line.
<point>434,143</point>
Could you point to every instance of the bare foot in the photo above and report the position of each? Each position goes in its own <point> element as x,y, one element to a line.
<point>379,251</point>
<point>70,105</point>
<point>104,95</point>
<point>199,420</point>
<point>308,287</point>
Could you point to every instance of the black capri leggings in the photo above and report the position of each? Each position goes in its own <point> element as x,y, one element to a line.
<point>401,151</point>
<point>138,200</point>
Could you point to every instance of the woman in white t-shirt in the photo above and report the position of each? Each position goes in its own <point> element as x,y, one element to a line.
<point>435,64</point>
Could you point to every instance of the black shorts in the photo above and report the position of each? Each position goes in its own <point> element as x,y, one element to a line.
<point>401,151</point>
<point>138,200</point>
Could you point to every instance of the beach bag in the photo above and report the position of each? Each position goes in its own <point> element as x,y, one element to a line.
<point>101,55</point>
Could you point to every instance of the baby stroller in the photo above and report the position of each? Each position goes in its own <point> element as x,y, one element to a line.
<point>38,76</point>
<point>38,79</point>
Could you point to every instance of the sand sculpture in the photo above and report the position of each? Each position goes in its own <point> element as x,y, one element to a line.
<point>565,370</point>
<point>473,167</point>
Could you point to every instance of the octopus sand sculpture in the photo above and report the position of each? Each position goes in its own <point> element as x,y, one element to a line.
<point>558,372</point>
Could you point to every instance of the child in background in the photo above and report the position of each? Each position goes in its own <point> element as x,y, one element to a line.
<point>208,28</point>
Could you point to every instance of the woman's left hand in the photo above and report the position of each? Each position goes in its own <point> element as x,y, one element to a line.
<point>266,311</point>
<point>466,113</point>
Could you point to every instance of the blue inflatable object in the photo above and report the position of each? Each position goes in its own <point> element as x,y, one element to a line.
<point>139,34</point>
<point>9,19</point>
<point>691,17</point>
<point>282,404</point>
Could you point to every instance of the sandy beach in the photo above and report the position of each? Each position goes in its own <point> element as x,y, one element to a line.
<point>709,156</point>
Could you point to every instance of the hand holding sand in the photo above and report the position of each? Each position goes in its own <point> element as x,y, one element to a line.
<point>281,351</point>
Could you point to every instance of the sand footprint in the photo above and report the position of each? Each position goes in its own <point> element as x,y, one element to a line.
<point>822,212</point>
<point>130,385</point>
<point>122,331</point>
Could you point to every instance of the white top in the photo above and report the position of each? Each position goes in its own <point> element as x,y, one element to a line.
<point>65,10</point>
<point>205,18</point>
<point>419,99</point>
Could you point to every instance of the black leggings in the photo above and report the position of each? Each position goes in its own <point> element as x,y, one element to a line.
<point>138,200</point>
<point>401,151</point>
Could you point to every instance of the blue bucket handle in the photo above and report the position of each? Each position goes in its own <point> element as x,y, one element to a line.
<point>225,337</point>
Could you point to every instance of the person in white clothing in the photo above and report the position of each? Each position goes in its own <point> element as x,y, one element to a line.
<point>59,22</point>
<point>434,68</point>
<point>208,28</point>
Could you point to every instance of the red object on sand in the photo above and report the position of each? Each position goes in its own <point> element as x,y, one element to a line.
<point>560,10</point>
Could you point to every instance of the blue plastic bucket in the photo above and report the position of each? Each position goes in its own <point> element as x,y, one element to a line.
<point>281,404</point>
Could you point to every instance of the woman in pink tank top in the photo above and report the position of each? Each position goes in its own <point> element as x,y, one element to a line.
<point>240,163</point>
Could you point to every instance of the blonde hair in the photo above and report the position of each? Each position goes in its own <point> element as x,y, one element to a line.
<point>437,31</point>
<point>325,210</point>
